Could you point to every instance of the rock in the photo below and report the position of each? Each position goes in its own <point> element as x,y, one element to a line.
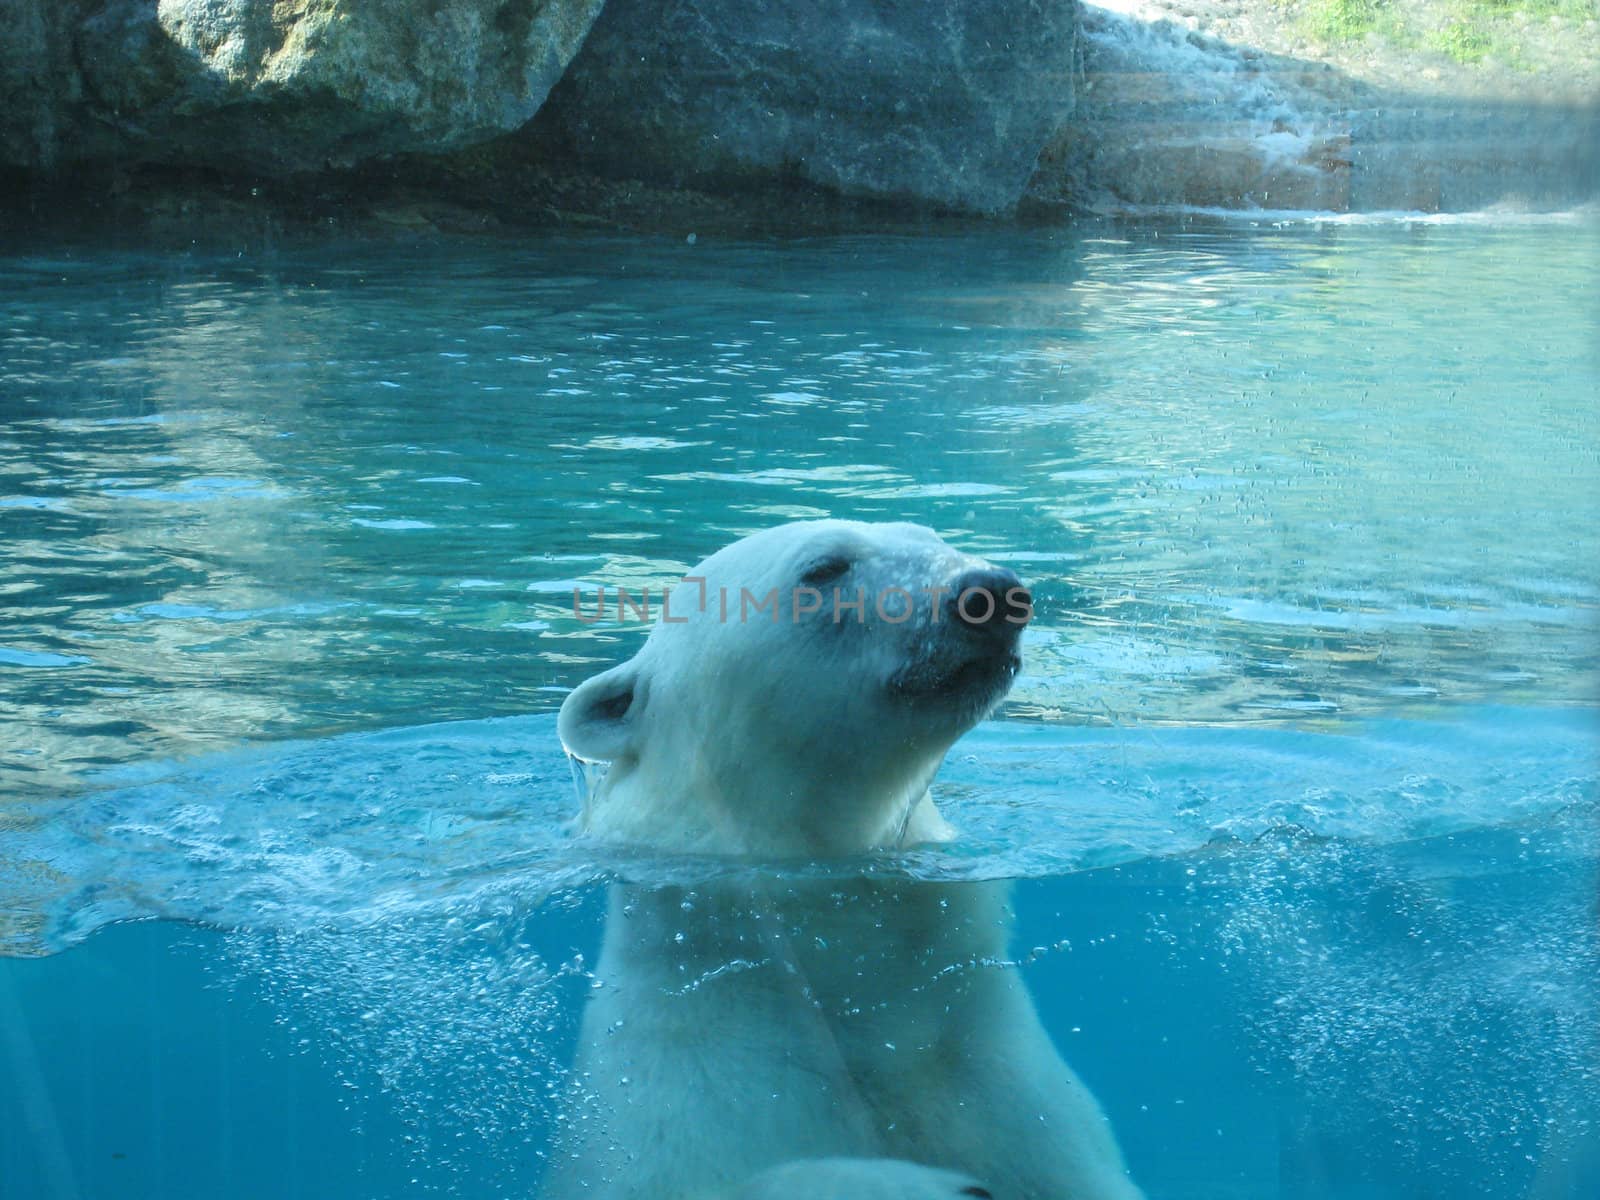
<point>33,70</point>
<point>1173,116</point>
<point>943,102</point>
<point>265,85</point>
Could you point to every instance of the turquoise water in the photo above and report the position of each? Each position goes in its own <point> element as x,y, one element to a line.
<point>1300,782</point>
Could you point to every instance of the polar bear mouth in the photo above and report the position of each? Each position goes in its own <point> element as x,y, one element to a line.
<point>971,682</point>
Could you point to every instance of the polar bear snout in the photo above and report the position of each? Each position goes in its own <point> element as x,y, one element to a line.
<point>968,656</point>
<point>990,601</point>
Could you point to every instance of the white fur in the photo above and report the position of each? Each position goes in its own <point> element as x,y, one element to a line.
<point>857,1179</point>
<point>767,1038</point>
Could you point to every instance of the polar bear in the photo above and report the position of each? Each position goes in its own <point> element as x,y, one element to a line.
<point>814,1031</point>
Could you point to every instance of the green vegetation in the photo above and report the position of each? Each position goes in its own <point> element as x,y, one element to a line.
<point>1341,20</point>
<point>1462,41</point>
<point>1467,31</point>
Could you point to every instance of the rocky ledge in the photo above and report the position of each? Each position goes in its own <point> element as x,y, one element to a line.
<point>272,86</point>
<point>945,103</point>
<point>206,115</point>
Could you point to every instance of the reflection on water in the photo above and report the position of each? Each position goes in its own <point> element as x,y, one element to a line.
<point>1251,475</point>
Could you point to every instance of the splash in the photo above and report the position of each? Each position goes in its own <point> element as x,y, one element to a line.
<point>366,830</point>
<point>462,1019</point>
<point>1450,983</point>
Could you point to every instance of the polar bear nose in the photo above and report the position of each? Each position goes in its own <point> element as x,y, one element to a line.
<point>990,600</point>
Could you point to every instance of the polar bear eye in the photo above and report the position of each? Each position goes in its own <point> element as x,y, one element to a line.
<point>825,570</point>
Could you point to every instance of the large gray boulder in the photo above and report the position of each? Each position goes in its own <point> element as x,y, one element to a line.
<point>945,102</point>
<point>260,84</point>
<point>32,57</point>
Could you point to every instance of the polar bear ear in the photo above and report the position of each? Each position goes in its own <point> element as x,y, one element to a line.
<point>599,720</point>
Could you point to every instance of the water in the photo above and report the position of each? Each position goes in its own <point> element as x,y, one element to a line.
<point>1300,781</point>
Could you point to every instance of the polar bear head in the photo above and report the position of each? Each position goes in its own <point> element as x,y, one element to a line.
<point>798,692</point>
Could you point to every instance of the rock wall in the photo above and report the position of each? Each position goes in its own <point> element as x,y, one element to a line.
<point>1171,114</point>
<point>945,102</point>
<point>273,85</point>
<point>970,106</point>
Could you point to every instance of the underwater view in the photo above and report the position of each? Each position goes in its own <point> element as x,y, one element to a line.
<point>1294,804</point>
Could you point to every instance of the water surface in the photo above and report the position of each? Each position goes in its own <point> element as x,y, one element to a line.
<point>1251,473</point>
